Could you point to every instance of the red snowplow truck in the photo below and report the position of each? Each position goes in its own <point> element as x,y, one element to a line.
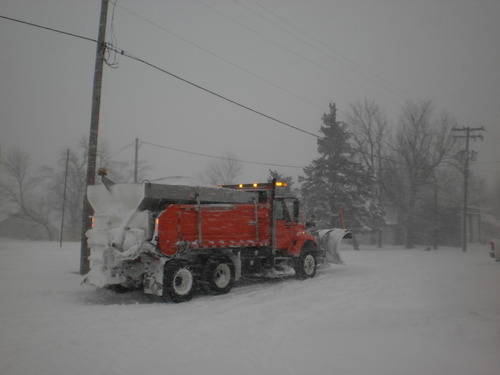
<point>171,239</point>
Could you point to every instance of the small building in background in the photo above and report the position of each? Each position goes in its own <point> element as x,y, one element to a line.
<point>447,232</point>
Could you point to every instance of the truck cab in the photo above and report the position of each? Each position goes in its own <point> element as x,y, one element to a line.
<point>287,223</point>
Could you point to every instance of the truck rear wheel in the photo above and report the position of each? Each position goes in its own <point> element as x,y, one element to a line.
<point>305,265</point>
<point>218,275</point>
<point>178,281</point>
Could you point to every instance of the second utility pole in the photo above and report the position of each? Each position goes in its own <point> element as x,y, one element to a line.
<point>136,160</point>
<point>94,130</point>
<point>467,137</point>
<point>64,198</point>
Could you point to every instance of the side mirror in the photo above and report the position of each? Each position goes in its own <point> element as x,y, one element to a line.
<point>310,224</point>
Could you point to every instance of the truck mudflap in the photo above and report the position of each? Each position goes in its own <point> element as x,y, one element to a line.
<point>329,242</point>
<point>153,275</point>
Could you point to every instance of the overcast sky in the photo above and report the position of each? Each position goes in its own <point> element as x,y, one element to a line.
<point>285,58</point>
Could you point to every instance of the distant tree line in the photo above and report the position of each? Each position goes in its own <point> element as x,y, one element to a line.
<point>368,171</point>
<point>34,194</point>
<point>369,174</point>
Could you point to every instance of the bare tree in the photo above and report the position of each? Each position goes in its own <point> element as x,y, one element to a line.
<point>420,145</point>
<point>21,189</point>
<point>494,196</point>
<point>444,192</point>
<point>223,171</point>
<point>368,124</point>
<point>74,190</point>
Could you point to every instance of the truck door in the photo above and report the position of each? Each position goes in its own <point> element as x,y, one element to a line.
<point>286,222</point>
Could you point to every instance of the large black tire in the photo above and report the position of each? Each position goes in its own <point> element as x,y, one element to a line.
<point>178,281</point>
<point>306,264</point>
<point>218,275</point>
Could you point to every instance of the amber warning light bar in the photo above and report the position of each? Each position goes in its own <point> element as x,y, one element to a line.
<point>255,185</point>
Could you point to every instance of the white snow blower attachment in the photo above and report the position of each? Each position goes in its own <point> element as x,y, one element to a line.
<point>118,231</point>
<point>329,241</point>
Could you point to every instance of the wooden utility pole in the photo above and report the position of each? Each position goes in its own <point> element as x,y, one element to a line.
<point>64,198</point>
<point>136,159</point>
<point>87,211</point>
<point>468,135</point>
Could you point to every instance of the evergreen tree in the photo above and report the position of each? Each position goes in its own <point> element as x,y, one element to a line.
<point>336,181</point>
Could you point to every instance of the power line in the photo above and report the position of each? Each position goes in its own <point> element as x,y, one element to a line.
<point>176,76</point>
<point>120,150</point>
<point>50,29</point>
<point>212,92</point>
<point>265,37</point>
<point>486,162</point>
<point>213,54</point>
<point>326,49</point>
<point>220,157</point>
<point>304,40</point>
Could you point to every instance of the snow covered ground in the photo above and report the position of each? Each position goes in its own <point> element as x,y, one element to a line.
<point>390,311</point>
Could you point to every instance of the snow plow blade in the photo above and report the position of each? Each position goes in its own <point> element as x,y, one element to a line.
<point>329,241</point>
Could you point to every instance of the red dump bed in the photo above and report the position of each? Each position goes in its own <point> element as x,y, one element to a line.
<point>213,226</point>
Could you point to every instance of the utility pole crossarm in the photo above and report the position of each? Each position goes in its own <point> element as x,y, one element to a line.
<point>468,128</point>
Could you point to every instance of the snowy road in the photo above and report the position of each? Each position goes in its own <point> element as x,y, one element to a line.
<point>385,312</point>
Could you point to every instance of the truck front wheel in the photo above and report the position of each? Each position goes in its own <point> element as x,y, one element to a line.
<point>178,281</point>
<point>218,275</point>
<point>305,265</point>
